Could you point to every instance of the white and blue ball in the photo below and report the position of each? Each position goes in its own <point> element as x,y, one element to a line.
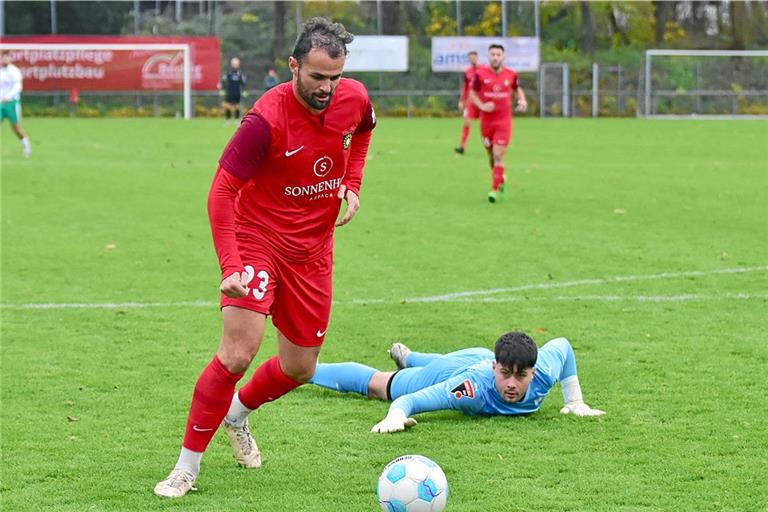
<point>412,483</point>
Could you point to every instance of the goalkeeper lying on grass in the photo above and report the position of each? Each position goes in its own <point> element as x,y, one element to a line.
<point>514,379</point>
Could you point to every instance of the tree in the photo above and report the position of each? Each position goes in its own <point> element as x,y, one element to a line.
<point>442,21</point>
<point>660,12</point>
<point>739,25</point>
<point>618,29</point>
<point>32,18</point>
<point>588,30</point>
<point>759,17</point>
<point>489,24</point>
<point>278,36</point>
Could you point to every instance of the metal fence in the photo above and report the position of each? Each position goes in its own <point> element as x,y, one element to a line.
<point>556,90</point>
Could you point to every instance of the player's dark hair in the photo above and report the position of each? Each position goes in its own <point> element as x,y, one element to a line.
<point>323,34</point>
<point>516,351</point>
<point>495,45</point>
<point>473,52</point>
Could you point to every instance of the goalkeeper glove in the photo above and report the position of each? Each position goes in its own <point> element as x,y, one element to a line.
<point>580,409</point>
<point>396,421</point>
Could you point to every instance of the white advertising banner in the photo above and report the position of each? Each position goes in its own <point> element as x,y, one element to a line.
<point>378,53</point>
<point>450,53</point>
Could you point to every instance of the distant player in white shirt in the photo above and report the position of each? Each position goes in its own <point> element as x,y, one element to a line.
<point>513,379</point>
<point>10,95</point>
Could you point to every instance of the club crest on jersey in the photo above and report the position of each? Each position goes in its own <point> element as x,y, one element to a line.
<point>463,390</point>
<point>347,140</point>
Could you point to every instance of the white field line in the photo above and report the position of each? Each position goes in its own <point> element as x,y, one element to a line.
<point>625,298</point>
<point>471,296</point>
<point>559,298</point>
<point>113,305</point>
<point>567,284</point>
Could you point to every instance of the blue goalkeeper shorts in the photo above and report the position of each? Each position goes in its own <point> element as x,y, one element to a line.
<point>440,369</point>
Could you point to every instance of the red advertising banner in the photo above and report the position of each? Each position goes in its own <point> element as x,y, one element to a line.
<point>115,70</point>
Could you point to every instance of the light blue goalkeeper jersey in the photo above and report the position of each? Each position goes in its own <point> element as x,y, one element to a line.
<point>464,381</point>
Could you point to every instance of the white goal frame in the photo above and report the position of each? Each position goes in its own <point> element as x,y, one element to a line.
<point>185,48</point>
<point>649,54</point>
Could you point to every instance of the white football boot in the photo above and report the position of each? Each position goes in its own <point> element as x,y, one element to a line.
<point>399,353</point>
<point>178,483</point>
<point>244,448</point>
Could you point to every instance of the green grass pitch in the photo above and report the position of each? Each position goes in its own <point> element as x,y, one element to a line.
<point>644,242</point>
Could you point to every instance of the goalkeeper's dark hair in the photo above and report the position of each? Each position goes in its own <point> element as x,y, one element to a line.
<point>323,34</point>
<point>496,45</point>
<point>516,351</point>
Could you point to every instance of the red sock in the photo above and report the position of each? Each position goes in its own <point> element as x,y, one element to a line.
<point>268,383</point>
<point>210,403</point>
<point>464,135</point>
<point>498,177</point>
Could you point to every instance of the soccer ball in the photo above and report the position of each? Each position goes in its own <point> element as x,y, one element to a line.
<point>412,483</point>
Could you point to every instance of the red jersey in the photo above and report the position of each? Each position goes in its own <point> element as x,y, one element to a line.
<point>285,166</point>
<point>496,87</point>
<point>469,76</point>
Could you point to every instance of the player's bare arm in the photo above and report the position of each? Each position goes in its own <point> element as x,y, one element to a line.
<point>522,103</point>
<point>353,204</point>
<point>475,99</point>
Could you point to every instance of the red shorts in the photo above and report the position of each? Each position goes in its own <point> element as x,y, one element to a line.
<point>471,111</point>
<point>496,133</point>
<point>296,295</point>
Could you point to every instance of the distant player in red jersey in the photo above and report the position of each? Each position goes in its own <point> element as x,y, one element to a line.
<point>273,207</point>
<point>466,107</point>
<point>491,92</point>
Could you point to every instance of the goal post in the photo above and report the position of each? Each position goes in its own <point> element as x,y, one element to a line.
<point>184,48</point>
<point>723,79</point>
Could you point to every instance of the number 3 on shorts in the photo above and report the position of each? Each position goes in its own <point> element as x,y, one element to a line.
<point>261,290</point>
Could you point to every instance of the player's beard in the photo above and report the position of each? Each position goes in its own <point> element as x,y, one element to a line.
<point>311,97</point>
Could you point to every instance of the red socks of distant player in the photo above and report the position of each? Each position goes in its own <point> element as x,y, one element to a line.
<point>498,177</point>
<point>267,384</point>
<point>210,403</point>
<point>464,136</point>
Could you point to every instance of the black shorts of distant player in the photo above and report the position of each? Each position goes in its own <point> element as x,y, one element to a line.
<point>231,106</point>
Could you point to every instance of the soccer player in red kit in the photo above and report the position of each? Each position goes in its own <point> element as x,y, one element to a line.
<point>466,107</point>
<point>491,92</point>
<point>273,207</point>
